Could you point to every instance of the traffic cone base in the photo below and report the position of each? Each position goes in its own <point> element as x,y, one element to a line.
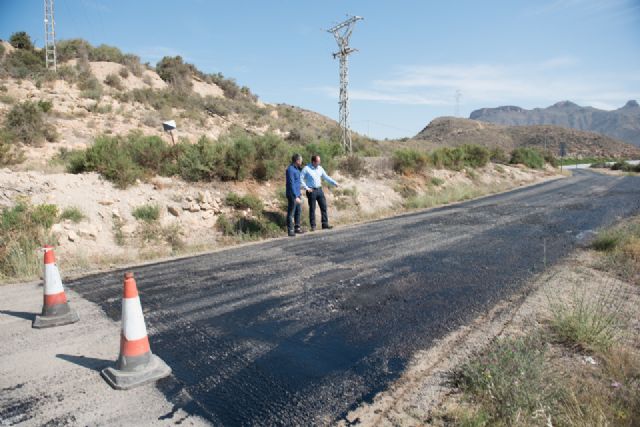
<point>147,371</point>
<point>50,320</point>
<point>136,365</point>
<point>55,309</point>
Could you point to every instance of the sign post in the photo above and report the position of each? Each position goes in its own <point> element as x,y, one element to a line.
<point>169,126</point>
<point>563,152</point>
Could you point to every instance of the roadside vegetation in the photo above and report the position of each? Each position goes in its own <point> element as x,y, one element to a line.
<point>237,157</point>
<point>409,161</point>
<point>580,367</point>
<point>24,229</point>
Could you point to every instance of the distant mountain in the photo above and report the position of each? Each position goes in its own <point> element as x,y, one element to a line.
<point>622,124</point>
<point>451,132</point>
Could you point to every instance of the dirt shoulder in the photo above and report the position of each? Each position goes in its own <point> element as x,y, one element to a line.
<point>51,376</point>
<point>427,394</point>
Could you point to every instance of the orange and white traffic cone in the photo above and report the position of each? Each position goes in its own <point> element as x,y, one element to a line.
<point>136,365</point>
<point>55,310</point>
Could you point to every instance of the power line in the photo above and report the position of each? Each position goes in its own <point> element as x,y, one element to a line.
<point>342,33</point>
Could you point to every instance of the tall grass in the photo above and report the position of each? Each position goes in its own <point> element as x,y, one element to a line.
<point>588,321</point>
<point>510,381</point>
<point>24,229</point>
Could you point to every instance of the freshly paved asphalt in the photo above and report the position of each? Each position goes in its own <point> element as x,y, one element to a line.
<point>298,331</point>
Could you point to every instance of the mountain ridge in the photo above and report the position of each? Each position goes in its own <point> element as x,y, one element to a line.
<point>622,123</point>
<point>453,131</point>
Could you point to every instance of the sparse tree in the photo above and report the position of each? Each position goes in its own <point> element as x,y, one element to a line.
<point>21,40</point>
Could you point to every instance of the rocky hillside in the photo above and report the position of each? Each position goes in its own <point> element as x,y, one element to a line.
<point>100,90</point>
<point>449,131</point>
<point>622,124</point>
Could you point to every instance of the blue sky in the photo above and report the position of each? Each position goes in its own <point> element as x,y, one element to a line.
<point>413,54</point>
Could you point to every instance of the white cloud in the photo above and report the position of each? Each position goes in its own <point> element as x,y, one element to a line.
<point>537,84</point>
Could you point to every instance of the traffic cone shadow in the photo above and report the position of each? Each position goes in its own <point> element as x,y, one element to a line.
<point>55,309</point>
<point>136,365</point>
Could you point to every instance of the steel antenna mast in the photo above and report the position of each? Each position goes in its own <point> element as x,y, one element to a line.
<point>342,33</point>
<point>49,36</point>
<point>456,112</point>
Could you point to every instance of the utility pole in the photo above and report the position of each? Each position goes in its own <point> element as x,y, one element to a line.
<point>49,36</point>
<point>342,33</point>
<point>456,112</point>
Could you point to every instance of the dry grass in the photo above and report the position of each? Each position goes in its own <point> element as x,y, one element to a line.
<point>581,367</point>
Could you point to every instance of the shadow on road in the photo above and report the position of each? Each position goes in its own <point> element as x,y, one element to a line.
<point>21,314</point>
<point>92,363</point>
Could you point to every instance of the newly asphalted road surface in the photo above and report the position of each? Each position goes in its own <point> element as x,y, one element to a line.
<point>298,331</point>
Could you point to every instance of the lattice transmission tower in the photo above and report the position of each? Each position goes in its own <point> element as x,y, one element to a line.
<point>342,33</point>
<point>50,35</point>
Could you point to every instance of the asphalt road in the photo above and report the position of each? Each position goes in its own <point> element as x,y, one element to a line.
<point>298,331</point>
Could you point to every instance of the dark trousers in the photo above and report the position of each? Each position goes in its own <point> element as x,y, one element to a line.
<point>293,213</point>
<point>317,196</point>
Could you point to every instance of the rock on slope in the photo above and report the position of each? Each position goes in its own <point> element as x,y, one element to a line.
<point>622,124</point>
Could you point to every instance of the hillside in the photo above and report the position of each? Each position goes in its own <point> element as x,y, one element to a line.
<point>99,90</point>
<point>450,131</point>
<point>622,124</point>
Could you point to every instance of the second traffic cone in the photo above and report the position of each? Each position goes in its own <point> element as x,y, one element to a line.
<point>136,365</point>
<point>55,309</point>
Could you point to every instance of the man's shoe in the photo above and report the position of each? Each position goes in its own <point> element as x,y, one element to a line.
<point>327,227</point>
<point>313,229</point>
<point>291,234</point>
<point>299,231</point>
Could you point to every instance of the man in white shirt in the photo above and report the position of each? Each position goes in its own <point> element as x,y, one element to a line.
<point>311,177</point>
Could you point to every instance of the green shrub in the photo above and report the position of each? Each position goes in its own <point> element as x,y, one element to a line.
<point>73,214</point>
<point>327,150</point>
<point>90,87</point>
<point>25,123</point>
<point>106,53</point>
<point>10,154</point>
<point>407,161</point>
<point>114,81</point>
<point>239,158</point>
<point>529,157</point>
<point>550,158</point>
<point>475,156</point>
<point>22,64</point>
<point>72,49</point>
<point>45,105</point>
<point>109,157</point>
<point>175,72</point>
<point>243,202</point>
<point>354,166</point>
<point>45,215</point>
<point>498,155</point>
<point>147,213</point>
<point>437,181</point>
<point>271,157</point>
<point>124,72</point>
<point>457,158</point>
<point>21,40</point>
<point>248,227</point>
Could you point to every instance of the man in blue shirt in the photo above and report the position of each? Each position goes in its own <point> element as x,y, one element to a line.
<point>312,176</point>
<point>293,195</point>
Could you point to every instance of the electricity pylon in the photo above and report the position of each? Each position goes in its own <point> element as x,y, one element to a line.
<point>49,36</point>
<point>342,33</point>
